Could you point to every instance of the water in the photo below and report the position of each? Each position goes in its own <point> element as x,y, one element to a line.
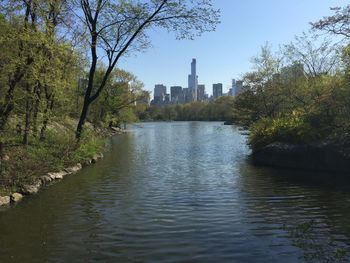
<point>178,192</point>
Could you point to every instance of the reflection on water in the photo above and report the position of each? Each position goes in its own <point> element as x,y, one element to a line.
<point>175,192</point>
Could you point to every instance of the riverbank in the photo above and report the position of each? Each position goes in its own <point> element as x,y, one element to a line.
<point>24,170</point>
<point>325,157</point>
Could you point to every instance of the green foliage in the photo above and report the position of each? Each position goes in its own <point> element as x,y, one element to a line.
<point>297,103</point>
<point>218,110</point>
<point>289,129</point>
<point>88,147</point>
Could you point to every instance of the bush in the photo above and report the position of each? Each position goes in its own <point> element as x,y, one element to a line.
<point>292,128</point>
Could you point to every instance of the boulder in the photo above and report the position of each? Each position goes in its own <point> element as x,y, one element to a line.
<point>74,169</point>
<point>317,156</point>
<point>16,197</point>
<point>58,175</point>
<point>31,189</point>
<point>5,158</point>
<point>45,179</point>
<point>96,157</point>
<point>4,200</point>
<point>87,163</point>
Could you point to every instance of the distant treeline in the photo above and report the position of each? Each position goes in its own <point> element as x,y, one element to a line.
<point>219,110</point>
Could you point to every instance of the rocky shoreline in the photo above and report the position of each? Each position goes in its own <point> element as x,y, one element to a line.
<point>325,157</point>
<point>45,180</point>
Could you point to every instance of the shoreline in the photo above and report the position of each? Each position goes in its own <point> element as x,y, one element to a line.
<point>316,157</point>
<point>45,180</point>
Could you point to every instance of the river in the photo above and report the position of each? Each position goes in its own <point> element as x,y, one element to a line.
<point>179,192</point>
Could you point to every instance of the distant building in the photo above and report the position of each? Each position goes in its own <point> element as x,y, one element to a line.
<point>159,93</point>
<point>217,90</point>
<point>187,95</point>
<point>176,95</point>
<point>201,92</point>
<point>193,81</point>
<point>166,99</point>
<point>232,90</point>
<point>239,87</point>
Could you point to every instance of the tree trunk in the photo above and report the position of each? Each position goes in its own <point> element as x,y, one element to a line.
<point>82,119</point>
<point>28,111</point>
<point>49,106</point>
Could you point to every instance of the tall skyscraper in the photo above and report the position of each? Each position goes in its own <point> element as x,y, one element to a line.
<point>193,80</point>
<point>217,90</point>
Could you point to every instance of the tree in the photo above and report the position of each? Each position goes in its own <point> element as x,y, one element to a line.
<point>116,27</point>
<point>318,56</point>
<point>338,24</point>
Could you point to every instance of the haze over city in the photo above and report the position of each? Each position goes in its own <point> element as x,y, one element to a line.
<point>226,53</point>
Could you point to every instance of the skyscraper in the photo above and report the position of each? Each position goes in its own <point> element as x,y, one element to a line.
<point>159,93</point>
<point>176,94</point>
<point>217,90</point>
<point>193,80</point>
<point>200,92</point>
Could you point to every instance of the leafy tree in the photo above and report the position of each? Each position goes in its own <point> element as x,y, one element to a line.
<point>338,24</point>
<point>117,27</point>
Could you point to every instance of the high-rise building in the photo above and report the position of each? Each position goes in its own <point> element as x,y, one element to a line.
<point>193,80</point>
<point>233,89</point>
<point>217,90</point>
<point>239,87</point>
<point>201,92</point>
<point>176,94</point>
<point>159,93</point>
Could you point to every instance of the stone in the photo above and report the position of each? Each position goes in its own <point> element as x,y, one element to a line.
<point>74,169</point>
<point>31,189</point>
<point>4,200</point>
<point>87,163</point>
<point>58,175</point>
<point>45,179</point>
<point>5,158</point>
<point>16,197</point>
<point>321,156</point>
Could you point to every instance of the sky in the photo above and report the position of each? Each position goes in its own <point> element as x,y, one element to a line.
<point>226,53</point>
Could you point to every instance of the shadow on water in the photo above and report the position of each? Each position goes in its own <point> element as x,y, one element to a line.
<point>310,208</point>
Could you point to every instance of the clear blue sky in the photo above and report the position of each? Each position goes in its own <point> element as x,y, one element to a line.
<point>226,53</point>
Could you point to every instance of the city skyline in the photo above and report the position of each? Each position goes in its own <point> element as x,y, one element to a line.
<point>225,54</point>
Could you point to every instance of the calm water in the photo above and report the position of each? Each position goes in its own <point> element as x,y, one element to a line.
<point>178,192</point>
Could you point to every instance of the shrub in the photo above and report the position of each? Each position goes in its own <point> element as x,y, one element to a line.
<point>292,128</point>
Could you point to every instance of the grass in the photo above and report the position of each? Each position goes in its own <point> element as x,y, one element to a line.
<point>59,150</point>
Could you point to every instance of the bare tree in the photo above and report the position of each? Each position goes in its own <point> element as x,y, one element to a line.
<point>318,56</point>
<point>116,27</point>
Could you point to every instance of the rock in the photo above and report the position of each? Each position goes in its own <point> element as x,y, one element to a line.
<point>74,169</point>
<point>317,156</point>
<point>45,179</point>
<point>59,175</point>
<point>87,163</point>
<point>5,158</point>
<point>16,197</point>
<point>94,159</point>
<point>4,200</point>
<point>31,189</point>
<point>115,129</point>
<point>228,123</point>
